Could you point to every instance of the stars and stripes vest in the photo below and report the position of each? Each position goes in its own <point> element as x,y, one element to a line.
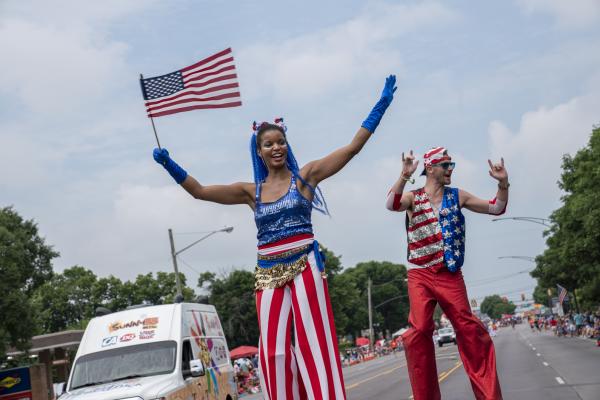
<point>434,241</point>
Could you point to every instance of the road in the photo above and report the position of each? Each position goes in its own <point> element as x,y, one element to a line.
<point>531,366</point>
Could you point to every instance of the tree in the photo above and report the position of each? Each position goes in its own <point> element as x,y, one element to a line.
<point>160,290</point>
<point>69,300</point>
<point>233,297</point>
<point>25,264</point>
<point>540,295</point>
<point>389,296</point>
<point>66,300</point>
<point>343,293</point>
<point>494,306</point>
<point>572,258</point>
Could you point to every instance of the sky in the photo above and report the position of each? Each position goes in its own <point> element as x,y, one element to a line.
<point>516,79</point>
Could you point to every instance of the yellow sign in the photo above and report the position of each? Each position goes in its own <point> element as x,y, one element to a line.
<point>9,382</point>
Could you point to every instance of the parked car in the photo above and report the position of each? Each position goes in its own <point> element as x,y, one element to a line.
<point>171,351</point>
<point>446,335</point>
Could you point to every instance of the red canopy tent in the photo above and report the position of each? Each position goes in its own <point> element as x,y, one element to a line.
<point>362,341</point>
<point>243,351</point>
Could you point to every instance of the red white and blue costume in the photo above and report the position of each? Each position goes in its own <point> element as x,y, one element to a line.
<point>436,249</point>
<point>291,287</point>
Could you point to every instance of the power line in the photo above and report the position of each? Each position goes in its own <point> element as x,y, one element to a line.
<point>493,279</point>
<point>188,265</point>
<point>524,289</point>
<point>191,233</point>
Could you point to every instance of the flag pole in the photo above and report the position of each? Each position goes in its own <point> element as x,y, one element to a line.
<point>151,119</point>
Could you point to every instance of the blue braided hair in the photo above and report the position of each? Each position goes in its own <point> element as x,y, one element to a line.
<point>261,171</point>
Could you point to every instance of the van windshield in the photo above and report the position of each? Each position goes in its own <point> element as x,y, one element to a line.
<point>125,362</point>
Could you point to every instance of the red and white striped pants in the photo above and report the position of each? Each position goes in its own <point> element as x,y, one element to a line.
<point>311,368</point>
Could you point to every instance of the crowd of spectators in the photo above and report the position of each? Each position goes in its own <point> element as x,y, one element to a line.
<point>572,324</point>
<point>246,373</point>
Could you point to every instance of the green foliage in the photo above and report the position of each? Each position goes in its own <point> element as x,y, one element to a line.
<point>233,297</point>
<point>389,296</point>
<point>25,264</point>
<point>572,258</point>
<point>69,300</point>
<point>494,306</point>
<point>540,295</point>
<point>344,295</point>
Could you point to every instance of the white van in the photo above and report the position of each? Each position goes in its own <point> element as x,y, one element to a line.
<point>166,352</point>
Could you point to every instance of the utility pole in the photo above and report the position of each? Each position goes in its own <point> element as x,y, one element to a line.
<point>370,315</point>
<point>174,256</point>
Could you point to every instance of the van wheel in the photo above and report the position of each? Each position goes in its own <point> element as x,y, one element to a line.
<point>440,344</point>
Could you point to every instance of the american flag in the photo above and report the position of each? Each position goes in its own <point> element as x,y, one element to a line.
<point>562,294</point>
<point>210,83</point>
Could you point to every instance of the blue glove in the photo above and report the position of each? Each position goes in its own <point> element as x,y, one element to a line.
<point>161,156</point>
<point>386,99</point>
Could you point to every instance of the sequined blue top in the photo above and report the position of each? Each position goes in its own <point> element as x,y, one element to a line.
<point>288,216</point>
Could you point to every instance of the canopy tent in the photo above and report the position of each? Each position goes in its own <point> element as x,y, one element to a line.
<point>399,332</point>
<point>243,351</point>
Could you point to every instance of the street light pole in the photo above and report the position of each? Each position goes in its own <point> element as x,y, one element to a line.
<point>535,220</point>
<point>370,315</point>
<point>174,255</point>
<point>526,258</point>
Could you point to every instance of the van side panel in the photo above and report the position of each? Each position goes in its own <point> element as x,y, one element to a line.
<point>209,345</point>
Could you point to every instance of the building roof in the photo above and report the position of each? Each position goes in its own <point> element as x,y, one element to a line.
<point>64,339</point>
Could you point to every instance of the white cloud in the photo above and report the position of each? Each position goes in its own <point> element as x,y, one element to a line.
<point>54,70</point>
<point>72,13</point>
<point>311,64</point>
<point>533,153</point>
<point>574,13</point>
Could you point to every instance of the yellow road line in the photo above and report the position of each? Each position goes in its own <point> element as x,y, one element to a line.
<point>458,364</point>
<point>442,376</point>
<point>389,371</point>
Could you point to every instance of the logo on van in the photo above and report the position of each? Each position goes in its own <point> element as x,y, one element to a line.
<point>147,334</point>
<point>148,323</point>
<point>127,337</point>
<point>109,341</point>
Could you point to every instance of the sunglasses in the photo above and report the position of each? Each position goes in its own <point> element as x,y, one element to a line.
<point>445,165</point>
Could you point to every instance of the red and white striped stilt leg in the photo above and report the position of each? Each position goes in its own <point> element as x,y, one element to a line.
<point>315,355</point>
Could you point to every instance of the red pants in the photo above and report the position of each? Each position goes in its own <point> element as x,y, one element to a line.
<point>429,286</point>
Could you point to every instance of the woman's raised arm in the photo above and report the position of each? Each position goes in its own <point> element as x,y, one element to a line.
<point>236,193</point>
<point>318,170</point>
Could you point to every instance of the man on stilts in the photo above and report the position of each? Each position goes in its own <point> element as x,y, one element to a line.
<point>436,246</point>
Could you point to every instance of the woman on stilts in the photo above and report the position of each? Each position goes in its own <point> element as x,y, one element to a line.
<point>290,279</point>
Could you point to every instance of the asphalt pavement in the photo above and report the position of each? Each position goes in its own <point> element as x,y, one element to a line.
<point>531,366</point>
